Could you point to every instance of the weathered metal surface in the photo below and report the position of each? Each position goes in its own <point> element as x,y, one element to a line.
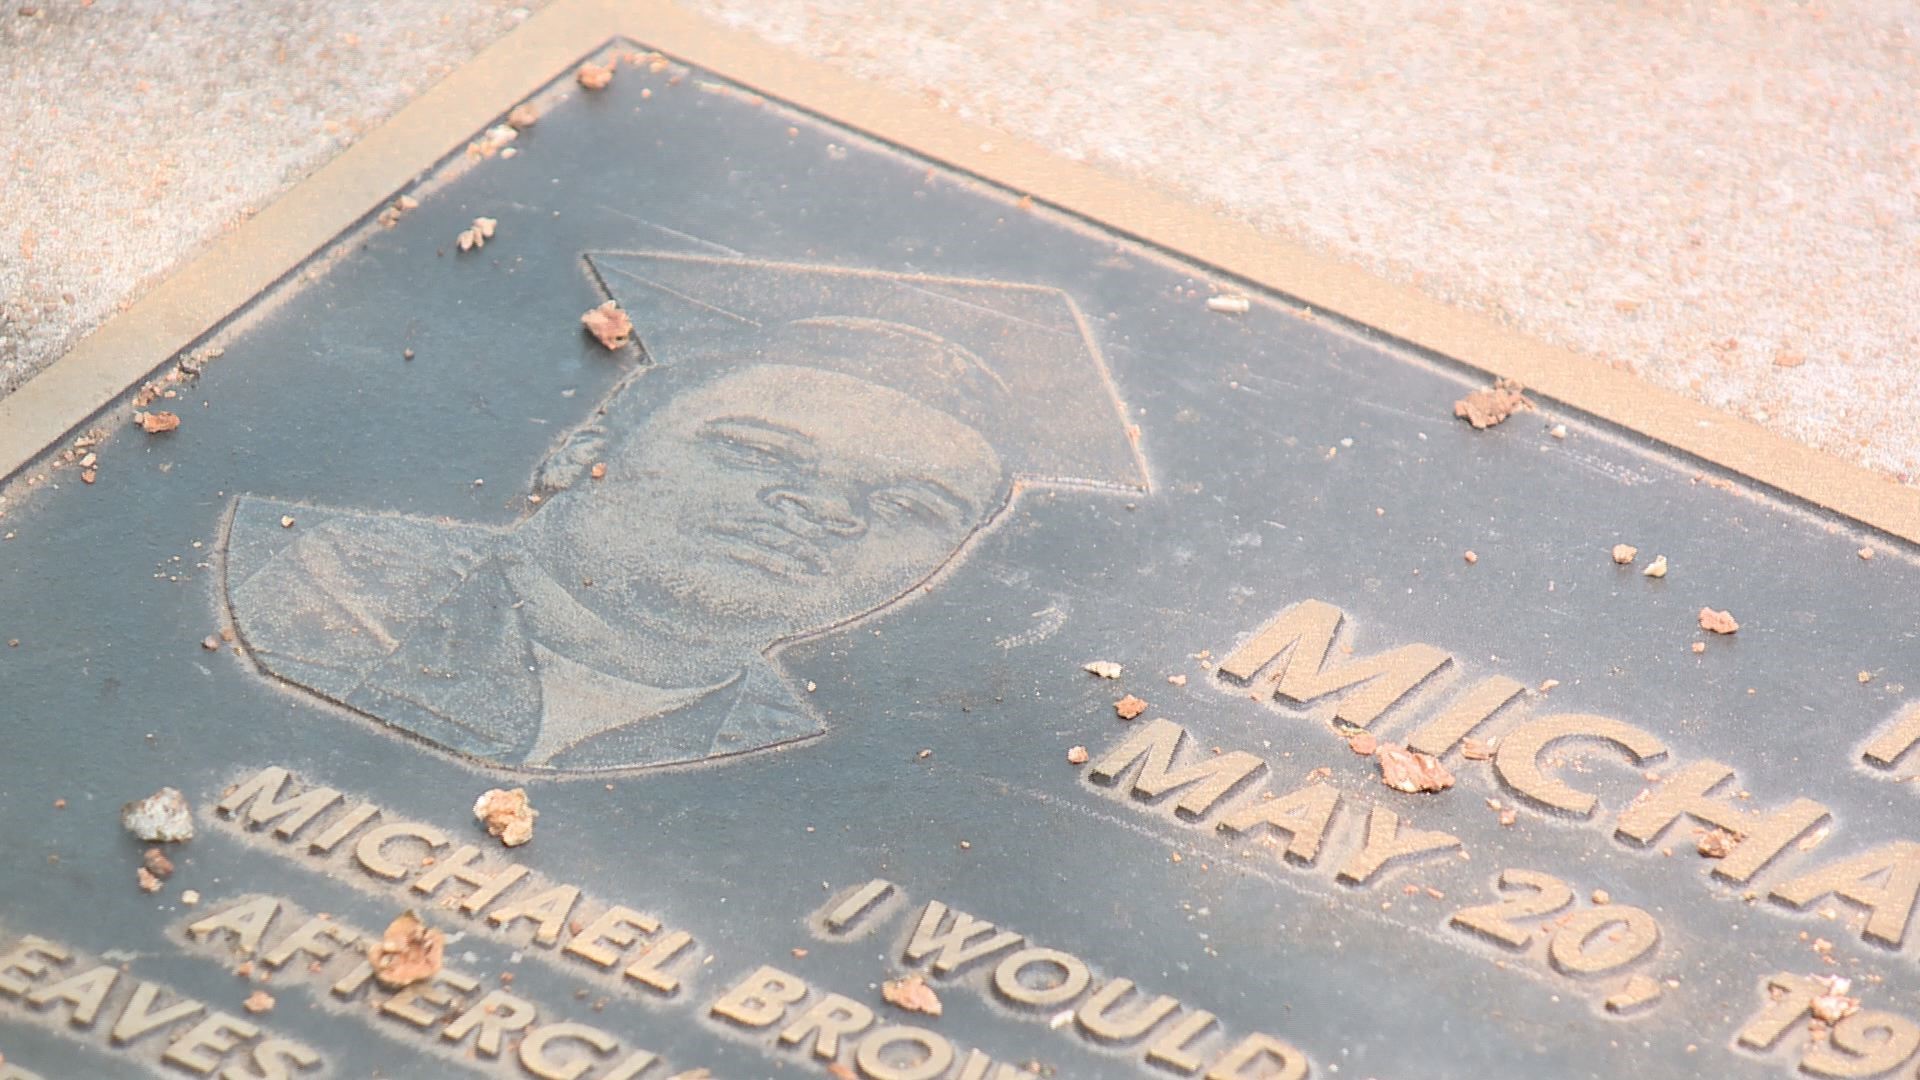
<point>780,613</point>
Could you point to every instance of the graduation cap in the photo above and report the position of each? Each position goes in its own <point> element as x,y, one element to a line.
<point>1012,361</point>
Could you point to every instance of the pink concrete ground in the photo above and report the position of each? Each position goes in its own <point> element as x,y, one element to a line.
<point>1724,197</point>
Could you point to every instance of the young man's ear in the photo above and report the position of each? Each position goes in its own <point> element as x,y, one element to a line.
<point>569,461</point>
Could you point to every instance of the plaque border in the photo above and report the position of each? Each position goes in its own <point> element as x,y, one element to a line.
<point>244,262</point>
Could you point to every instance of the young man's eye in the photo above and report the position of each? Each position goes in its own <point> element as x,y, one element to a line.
<point>908,505</point>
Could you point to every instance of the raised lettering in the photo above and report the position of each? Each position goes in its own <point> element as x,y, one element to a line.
<point>647,968</point>
<point>1762,836</point>
<point>1300,637</point>
<point>1303,814</point>
<point>310,939</point>
<point>201,1047</point>
<point>1387,841</point>
<point>28,958</point>
<point>494,1017</point>
<point>407,1003</point>
<point>1871,1042</point>
<point>85,992</point>
<point>1884,880</point>
<point>541,1062</point>
<point>863,899</point>
<point>371,851</point>
<point>459,866</point>
<point>1071,977</point>
<point>349,823</point>
<point>548,911</point>
<point>879,1054</point>
<point>955,945</point>
<point>1275,1059</point>
<point>1517,762</point>
<point>245,922</point>
<point>1465,713</point>
<point>263,790</point>
<point>1096,1018</point>
<point>826,1023</point>
<point>1154,745</point>
<point>760,999</point>
<point>138,1016</point>
<point>1891,744</point>
<point>1174,1048</point>
<point>603,939</point>
<point>275,1059</point>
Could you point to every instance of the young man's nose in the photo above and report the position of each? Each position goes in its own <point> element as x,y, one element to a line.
<point>816,513</point>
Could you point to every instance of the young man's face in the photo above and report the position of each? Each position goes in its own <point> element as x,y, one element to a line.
<point>778,496</point>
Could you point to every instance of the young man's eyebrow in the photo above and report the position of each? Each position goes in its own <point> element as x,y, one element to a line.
<point>758,426</point>
<point>939,492</point>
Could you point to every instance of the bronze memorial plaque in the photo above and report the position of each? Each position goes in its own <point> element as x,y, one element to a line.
<point>685,588</point>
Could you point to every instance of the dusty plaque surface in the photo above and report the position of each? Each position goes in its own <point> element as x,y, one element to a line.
<point>937,642</point>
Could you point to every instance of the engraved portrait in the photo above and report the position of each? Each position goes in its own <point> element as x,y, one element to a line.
<point>798,447</point>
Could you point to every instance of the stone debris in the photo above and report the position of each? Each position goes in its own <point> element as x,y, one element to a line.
<point>1476,749</point>
<point>157,863</point>
<point>157,423</point>
<point>1176,680</point>
<point>1699,647</point>
<point>1867,554</point>
<point>477,235</point>
<point>1717,622</point>
<point>1624,554</point>
<point>1835,1004</point>
<point>912,994</point>
<point>1639,990</point>
<point>148,881</point>
<point>1229,305</point>
<point>608,325</point>
<point>1717,844</point>
<point>1492,404</point>
<point>1657,568</point>
<point>1106,669</point>
<point>592,76</point>
<point>1128,707</point>
<point>1076,755</point>
<point>391,215</point>
<point>211,643</point>
<point>1471,558</point>
<point>1363,743</point>
<point>190,897</point>
<point>407,952</point>
<point>161,818</point>
<point>1411,771</point>
<point>258,1002</point>
<point>495,140</point>
<point>1558,431</point>
<point>523,116</point>
<point>507,815</point>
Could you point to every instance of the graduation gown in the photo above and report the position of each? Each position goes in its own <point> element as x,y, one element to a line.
<point>441,630</point>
